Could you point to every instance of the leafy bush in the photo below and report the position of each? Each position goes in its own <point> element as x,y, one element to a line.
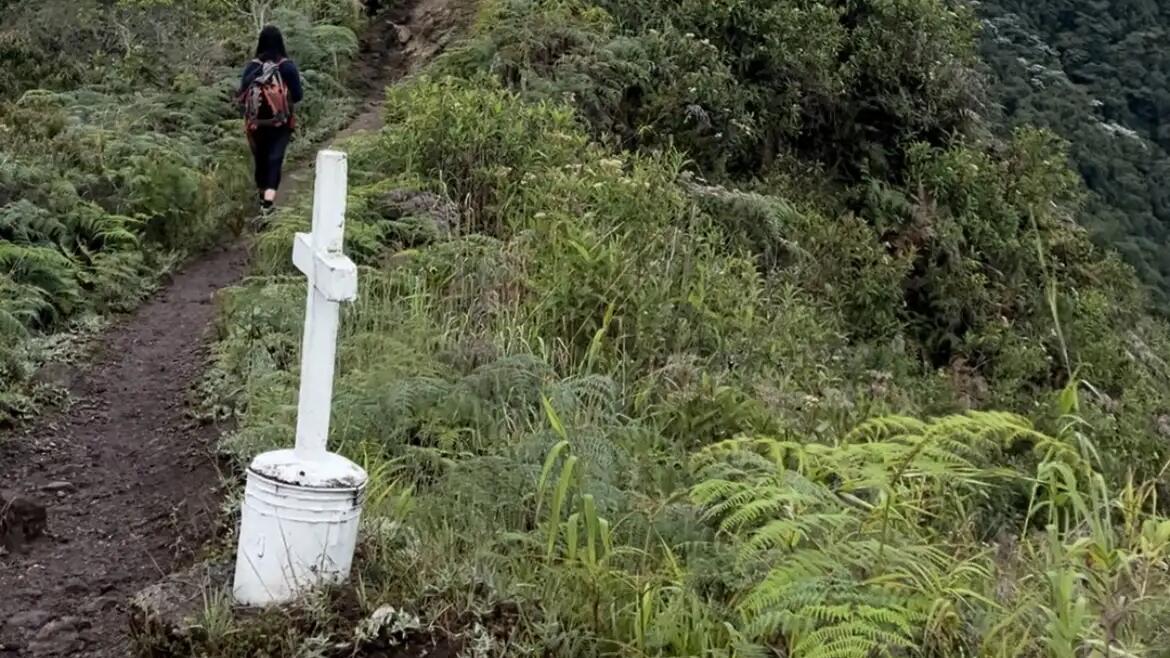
<point>648,90</point>
<point>738,84</point>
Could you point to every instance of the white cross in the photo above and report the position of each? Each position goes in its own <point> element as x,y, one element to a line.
<point>332,280</point>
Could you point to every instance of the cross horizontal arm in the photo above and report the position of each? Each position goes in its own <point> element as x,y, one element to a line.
<point>333,274</point>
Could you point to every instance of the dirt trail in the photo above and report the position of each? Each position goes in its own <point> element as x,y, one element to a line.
<point>129,478</point>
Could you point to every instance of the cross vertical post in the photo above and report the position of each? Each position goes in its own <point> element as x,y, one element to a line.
<point>332,279</point>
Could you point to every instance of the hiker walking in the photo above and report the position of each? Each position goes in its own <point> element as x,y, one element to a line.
<point>269,89</point>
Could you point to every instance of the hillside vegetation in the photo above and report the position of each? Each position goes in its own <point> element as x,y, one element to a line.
<point>120,152</point>
<point>1096,74</point>
<point>697,328</point>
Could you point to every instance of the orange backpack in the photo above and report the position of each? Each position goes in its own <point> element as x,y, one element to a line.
<point>266,99</point>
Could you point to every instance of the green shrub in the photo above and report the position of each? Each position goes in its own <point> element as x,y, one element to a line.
<point>661,88</point>
<point>475,142</point>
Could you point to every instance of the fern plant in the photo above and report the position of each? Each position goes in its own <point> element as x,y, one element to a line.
<point>859,545</point>
<point>866,547</point>
<point>48,272</point>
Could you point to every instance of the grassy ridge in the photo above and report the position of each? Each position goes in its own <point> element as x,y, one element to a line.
<point>628,384</point>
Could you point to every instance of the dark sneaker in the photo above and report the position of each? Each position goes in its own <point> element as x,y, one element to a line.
<point>260,221</point>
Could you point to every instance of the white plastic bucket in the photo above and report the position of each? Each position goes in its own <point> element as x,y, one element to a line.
<point>294,538</point>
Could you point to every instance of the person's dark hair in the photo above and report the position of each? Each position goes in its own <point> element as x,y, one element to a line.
<point>270,47</point>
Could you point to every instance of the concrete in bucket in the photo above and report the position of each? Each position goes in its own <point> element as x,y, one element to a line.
<point>299,527</point>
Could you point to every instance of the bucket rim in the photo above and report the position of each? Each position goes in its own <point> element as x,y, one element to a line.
<point>329,472</point>
<point>268,479</point>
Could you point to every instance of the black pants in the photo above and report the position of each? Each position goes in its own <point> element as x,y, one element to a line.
<point>268,148</point>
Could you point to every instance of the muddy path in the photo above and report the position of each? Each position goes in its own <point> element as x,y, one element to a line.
<point>128,478</point>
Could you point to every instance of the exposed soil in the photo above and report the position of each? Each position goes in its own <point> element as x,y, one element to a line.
<point>135,475</point>
<point>128,477</point>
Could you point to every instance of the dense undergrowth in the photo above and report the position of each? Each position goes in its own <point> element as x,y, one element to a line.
<point>120,151</point>
<point>721,329</point>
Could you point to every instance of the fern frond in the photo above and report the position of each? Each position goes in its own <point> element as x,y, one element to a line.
<point>789,533</point>
<point>884,428</point>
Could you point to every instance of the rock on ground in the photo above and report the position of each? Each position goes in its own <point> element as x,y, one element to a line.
<point>60,637</point>
<point>442,213</point>
<point>166,613</point>
<point>22,519</point>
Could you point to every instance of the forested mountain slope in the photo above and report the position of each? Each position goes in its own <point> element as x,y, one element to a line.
<point>1098,74</point>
